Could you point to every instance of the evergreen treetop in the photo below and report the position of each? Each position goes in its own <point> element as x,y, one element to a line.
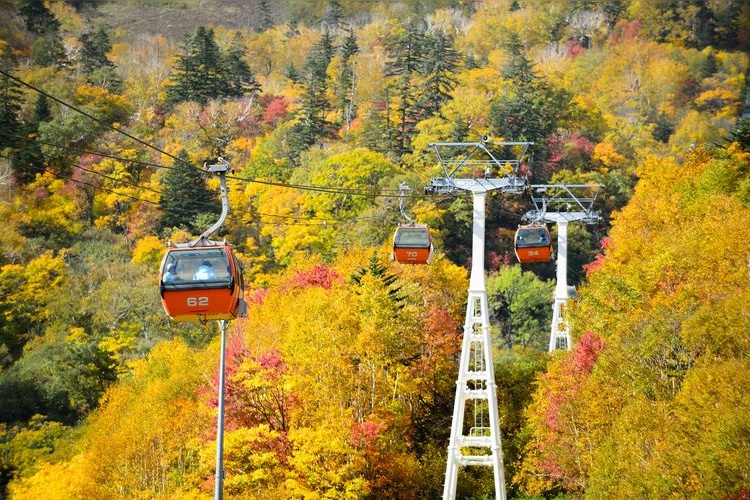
<point>185,196</point>
<point>39,20</point>
<point>10,101</point>
<point>94,51</point>
<point>200,70</point>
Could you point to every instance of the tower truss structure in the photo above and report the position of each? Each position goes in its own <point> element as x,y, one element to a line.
<point>478,168</point>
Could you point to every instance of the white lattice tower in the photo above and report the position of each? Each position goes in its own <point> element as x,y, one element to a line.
<point>478,167</point>
<point>476,442</point>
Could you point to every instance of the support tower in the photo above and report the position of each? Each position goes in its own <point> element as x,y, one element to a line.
<point>475,429</point>
<point>574,203</point>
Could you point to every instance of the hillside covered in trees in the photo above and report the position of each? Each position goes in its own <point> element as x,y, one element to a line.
<point>342,376</point>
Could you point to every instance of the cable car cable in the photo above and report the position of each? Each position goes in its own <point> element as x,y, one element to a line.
<point>144,143</point>
<point>304,187</point>
<point>77,181</point>
<point>95,153</point>
<point>101,174</point>
<point>97,120</point>
<point>323,222</point>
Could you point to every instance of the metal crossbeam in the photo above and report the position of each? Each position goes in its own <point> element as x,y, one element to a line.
<point>483,166</point>
<point>570,202</point>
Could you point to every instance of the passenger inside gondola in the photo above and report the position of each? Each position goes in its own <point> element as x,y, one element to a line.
<point>205,272</point>
<point>171,275</point>
<point>206,267</point>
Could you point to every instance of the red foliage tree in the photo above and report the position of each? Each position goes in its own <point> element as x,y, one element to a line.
<point>320,275</point>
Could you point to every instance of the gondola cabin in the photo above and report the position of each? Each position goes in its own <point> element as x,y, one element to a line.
<point>201,283</point>
<point>533,244</point>
<point>412,244</point>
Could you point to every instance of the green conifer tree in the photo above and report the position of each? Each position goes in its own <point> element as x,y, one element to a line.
<point>10,101</point>
<point>709,66</point>
<point>266,18</point>
<point>200,72</point>
<point>185,197</point>
<point>94,50</point>
<point>28,160</point>
<point>531,111</point>
<point>95,63</point>
<point>741,134</point>
<point>440,64</point>
<point>292,73</point>
<point>377,132</point>
<point>312,123</point>
<point>729,18</point>
<point>405,62</point>
<point>379,269</point>
<point>47,49</point>
<point>239,75</point>
<point>345,89</point>
<point>334,16</point>
<point>39,20</point>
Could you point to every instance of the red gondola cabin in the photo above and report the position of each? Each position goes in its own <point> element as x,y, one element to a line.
<point>201,283</point>
<point>533,244</point>
<point>412,244</point>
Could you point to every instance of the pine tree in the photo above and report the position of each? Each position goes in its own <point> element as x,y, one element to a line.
<point>201,74</point>
<point>377,131</point>
<point>322,54</point>
<point>292,74</point>
<point>95,63</point>
<point>728,23</point>
<point>405,62</point>
<point>334,17</point>
<point>94,51</point>
<point>266,19</point>
<point>48,50</point>
<point>663,128</point>
<point>742,134</point>
<point>39,20</point>
<point>312,123</point>
<point>710,65</point>
<point>241,78</point>
<point>377,268</point>
<point>530,112</point>
<point>519,70</point>
<point>703,24</point>
<point>10,101</point>
<point>441,63</point>
<point>345,89</point>
<point>28,159</point>
<point>185,197</point>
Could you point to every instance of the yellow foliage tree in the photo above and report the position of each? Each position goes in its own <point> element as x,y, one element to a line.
<point>154,422</point>
<point>148,250</point>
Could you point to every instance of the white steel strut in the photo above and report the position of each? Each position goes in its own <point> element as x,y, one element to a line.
<point>475,434</point>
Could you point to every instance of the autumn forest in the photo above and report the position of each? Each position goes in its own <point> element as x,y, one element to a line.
<point>340,380</point>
